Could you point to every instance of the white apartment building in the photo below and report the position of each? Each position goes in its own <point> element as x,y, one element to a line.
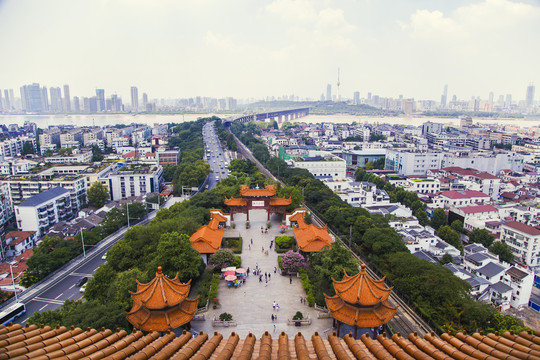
<point>16,242</point>
<point>524,240</point>
<point>491,163</point>
<point>126,181</point>
<point>15,166</point>
<point>91,137</point>
<point>6,207</point>
<point>521,282</point>
<point>473,216</point>
<point>22,187</point>
<point>39,212</point>
<point>119,143</point>
<point>327,165</point>
<point>48,137</point>
<point>455,198</point>
<point>423,186</point>
<point>69,138</point>
<point>14,147</point>
<point>412,163</point>
<point>363,132</point>
<point>76,157</point>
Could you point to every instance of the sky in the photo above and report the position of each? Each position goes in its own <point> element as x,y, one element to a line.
<point>254,49</point>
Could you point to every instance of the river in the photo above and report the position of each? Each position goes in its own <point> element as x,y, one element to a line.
<point>44,121</point>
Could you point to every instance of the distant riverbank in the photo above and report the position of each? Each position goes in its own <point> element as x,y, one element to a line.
<point>44,121</point>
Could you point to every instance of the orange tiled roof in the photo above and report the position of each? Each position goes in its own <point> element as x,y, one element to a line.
<point>269,190</point>
<point>161,304</point>
<point>62,342</point>
<point>162,320</point>
<point>297,216</point>
<point>360,316</point>
<point>235,202</point>
<point>311,238</point>
<point>218,215</point>
<point>362,289</point>
<point>280,201</point>
<point>160,292</point>
<point>207,240</point>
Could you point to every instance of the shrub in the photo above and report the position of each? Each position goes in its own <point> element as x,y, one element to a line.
<point>298,316</point>
<point>234,244</point>
<point>225,317</point>
<point>233,225</point>
<point>247,224</point>
<point>213,293</point>
<point>237,261</point>
<point>292,261</point>
<point>306,284</point>
<point>269,224</point>
<point>203,287</point>
<point>222,258</point>
<point>284,243</point>
<point>279,260</point>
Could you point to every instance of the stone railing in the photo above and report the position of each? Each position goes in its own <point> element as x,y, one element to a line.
<point>304,321</point>
<point>217,323</point>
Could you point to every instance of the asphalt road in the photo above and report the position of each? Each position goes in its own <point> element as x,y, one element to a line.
<point>215,155</point>
<point>54,294</point>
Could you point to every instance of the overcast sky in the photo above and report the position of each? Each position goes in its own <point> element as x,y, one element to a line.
<point>258,48</point>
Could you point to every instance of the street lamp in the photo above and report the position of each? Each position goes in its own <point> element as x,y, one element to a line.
<point>13,280</point>
<point>82,241</point>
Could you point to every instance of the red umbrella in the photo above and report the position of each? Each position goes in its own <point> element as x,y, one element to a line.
<point>240,271</point>
<point>283,226</point>
<point>230,272</point>
<point>230,277</point>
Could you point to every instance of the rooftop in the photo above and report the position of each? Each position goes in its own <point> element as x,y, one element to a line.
<point>524,228</point>
<point>45,196</point>
<point>467,194</point>
<point>474,209</point>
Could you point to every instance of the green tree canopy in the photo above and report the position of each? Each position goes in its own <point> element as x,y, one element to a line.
<point>457,226</point>
<point>382,242</point>
<point>481,236</point>
<point>450,236</point>
<point>503,251</point>
<point>222,258</point>
<point>97,194</point>
<point>439,218</point>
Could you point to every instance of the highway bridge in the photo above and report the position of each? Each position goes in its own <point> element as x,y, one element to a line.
<point>279,116</point>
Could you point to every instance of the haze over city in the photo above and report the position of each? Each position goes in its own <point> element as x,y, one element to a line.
<point>251,49</point>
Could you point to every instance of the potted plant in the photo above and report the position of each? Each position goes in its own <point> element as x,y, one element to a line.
<point>297,317</point>
<point>247,224</point>
<point>233,225</point>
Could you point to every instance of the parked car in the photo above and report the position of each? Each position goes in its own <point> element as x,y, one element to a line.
<point>82,288</point>
<point>82,281</point>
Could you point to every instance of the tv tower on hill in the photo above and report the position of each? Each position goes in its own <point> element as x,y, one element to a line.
<point>338,83</point>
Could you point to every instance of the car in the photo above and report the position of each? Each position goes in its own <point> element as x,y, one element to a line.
<point>104,257</point>
<point>82,288</point>
<point>81,281</point>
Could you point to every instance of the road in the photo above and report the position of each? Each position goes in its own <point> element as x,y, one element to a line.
<point>214,155</point>
<point>52,293</point>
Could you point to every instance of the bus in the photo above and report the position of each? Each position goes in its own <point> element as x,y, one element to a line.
<point>11,313</point>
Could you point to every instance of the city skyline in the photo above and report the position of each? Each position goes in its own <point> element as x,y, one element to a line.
<point>272,48</point>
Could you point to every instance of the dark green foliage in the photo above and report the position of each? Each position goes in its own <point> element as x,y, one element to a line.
<point>97,194</point>
<point>222,259</point>
<point>503,251</point>
<point>447,259</point>
<point>376,137</point>
<point>97,155</point>
<point>450,236</point>
<point>225,317</point>
<point>298,316</point>
<point>457,226</point>
<point>439,218</point>
<point>28,148</point>
<point>233,243</point>
<point>93,314</point>
<point>284,243</point>
<point>481,236</point>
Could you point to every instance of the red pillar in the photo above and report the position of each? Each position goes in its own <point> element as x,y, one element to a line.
<point>355,331</point>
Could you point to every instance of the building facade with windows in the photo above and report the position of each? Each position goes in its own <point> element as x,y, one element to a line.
<point>524,240</point>
<point>126,181</point>
<point>412,163</point>
<point>38,213</point>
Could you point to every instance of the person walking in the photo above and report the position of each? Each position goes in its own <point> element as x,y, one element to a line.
<point>274,305</point>
<point>249,247</point>
<point>290,280</point>
<point>251,240</point>
<point>272,317</point>
<point>269,276</point>
<point>275,269</point>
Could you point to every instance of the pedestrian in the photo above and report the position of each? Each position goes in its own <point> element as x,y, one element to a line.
<point>252,240</point>
<point>274,305</point>
<point>265,275</point>
<point>256,265</point>
<point>290,280</point>
<point>274,327</point>
<point>260,278</point>
<point>248,271</point>
<point>301,300</point>
<point>272,317</point>
<point>275,269</point>
<point>262,249</point>
<point>275,318</point>
<point>249,247</point>
<point>269,276</point>
<point>266,281</point>
<point>277,307</point>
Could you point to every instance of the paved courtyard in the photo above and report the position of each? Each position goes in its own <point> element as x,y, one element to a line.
<point>251,304</point>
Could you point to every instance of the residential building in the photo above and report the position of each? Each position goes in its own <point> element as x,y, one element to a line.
<point>132,180</point>
<point>524,240</point>
<point>323,164</point>
<point>39,212</point>
<point>16,242</point>
<point>168,157</point>
<point>6,207</point>
<point>454,198</point>
<point>473,216</point>
<point>80,157</point>
<point>360,158</point>
<point>15,166</point>
<point>423,186</point>
<point>521,282</point>
<point>406,162</point>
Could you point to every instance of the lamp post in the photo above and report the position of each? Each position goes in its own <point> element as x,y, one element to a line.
<point>13,282</point>
<point>82,241</point>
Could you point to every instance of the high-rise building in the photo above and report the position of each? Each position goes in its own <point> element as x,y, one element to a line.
<point>67,99</point>
<point>56,99</point>
<point>1,101</point>
<point>328,92</point>
<point>45,98</point>
<point>7,100</point>
<point>444,96</point>
<point>356,98</point>
<point>12,100</point>
<point>508,103</point>
<point>31,98</point>
<point>529,99</point>
<point>134,98</point>
<point>144,100</point>
<point>76,104</point>
<point>92,105</point>
<point>491,96</point>
<point>100,95</point>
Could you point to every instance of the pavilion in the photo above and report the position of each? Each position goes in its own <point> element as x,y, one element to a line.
<point>309,238</point>
<point>360,302</point>
<point>162,304</point>
<point>207,239</point>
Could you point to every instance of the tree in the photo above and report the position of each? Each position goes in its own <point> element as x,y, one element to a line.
<point>176,255</point>
<point>457,226</point>
<point>97,194</point>
<point>450,236</point>
<point>28,148</point>
<point>503,251</point>
<point>439,218</point>
<point>293,192</point>
<point>481,236</point>
<point>292,261</point>
<point>382,241</point>
<point>447,259</point>
<point>222,259</point>
<point>96,154</point>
